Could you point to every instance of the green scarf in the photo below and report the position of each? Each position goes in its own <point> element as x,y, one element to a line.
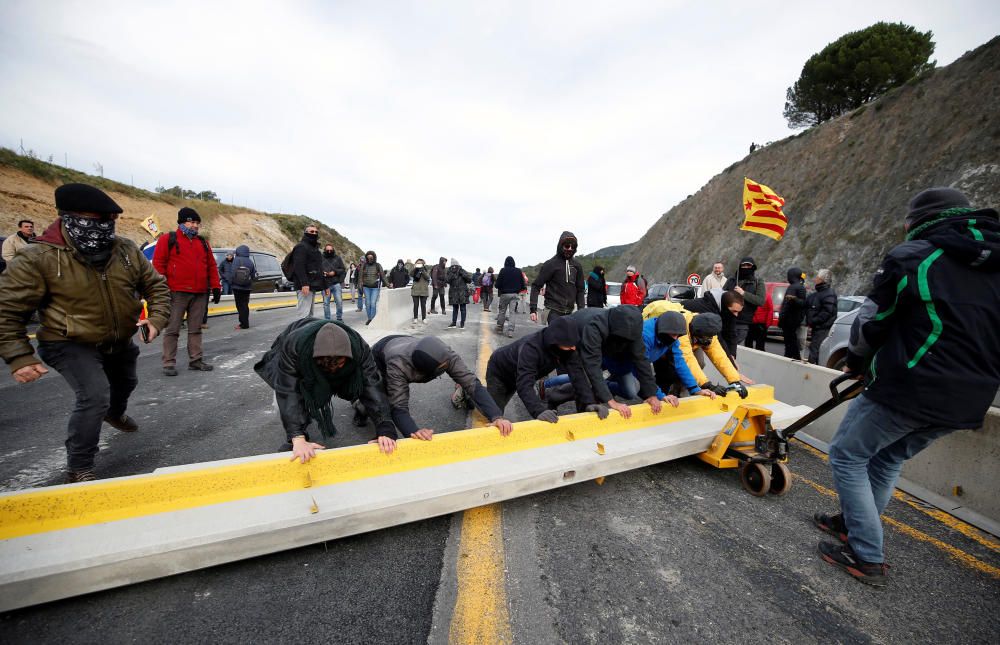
<point>318,386</point>
<point>935,220</point>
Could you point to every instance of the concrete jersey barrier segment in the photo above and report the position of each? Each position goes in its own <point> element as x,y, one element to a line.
<point>68,540</point>
<point>395,309</point>
<point>965,462</point>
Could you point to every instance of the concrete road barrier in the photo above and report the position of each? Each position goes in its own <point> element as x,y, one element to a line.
<point>957,473</point>
<point>395,309</point>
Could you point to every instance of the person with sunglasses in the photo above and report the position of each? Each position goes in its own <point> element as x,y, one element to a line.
<point>86,283</point>
<point>564,282</point>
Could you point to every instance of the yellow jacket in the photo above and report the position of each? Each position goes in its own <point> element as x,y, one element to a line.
<point>714,350</point>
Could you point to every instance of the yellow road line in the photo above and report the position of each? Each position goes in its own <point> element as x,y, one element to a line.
<point>968,560</point>
<point>481,613</point>
<point>947,519</point>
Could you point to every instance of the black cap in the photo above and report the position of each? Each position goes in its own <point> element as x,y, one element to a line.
<point>932,201</point>
<point>186,214</point>
<point>81,198</point>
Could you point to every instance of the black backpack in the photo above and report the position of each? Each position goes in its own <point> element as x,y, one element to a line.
<point>243,277</point>
<point>287,267</point>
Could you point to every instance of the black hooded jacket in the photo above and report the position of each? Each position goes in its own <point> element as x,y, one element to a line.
<point>822,310</point>
<point>563,281</point>
<point>510,279</point>
<point>399,276</point>
<point>597,288</point>
<point>614,333</point>
<point>794,304</point>
<point>529,358</point>
<point>754,290</point>
<point>929,331</point>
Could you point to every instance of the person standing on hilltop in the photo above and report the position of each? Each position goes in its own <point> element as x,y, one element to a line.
<point>85,282</point>
<point>597,288</point>
<point>187,262</point>
<point>439,283</point>
<point>747,284</point>
<point>307,271</point>
<point>716,279</point>
<point>563,279</point>
<point>932,320</point>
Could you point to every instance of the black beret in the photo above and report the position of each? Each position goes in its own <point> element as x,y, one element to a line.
<point>186,214</point>
<point>81,198</point>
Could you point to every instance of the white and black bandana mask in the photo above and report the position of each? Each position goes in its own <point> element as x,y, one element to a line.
<point>90,236</point>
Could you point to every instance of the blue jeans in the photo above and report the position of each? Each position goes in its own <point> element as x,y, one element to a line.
<point>360,298</point>
<point>226,288</point>
<point>866,456</point>
<point>337,291</point>
<point>371,301</point>
<point>622,381</point>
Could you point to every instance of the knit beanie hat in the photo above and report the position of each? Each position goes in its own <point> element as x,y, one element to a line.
<point>671,322</point>
<point>331,340</point>
<point>705,325</point>
<point>932,201</point>
<point>186,214</point>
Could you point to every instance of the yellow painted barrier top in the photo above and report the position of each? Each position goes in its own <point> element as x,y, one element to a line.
<point>60,507</point>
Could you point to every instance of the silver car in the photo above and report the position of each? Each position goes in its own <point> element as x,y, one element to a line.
<point>833,351</point>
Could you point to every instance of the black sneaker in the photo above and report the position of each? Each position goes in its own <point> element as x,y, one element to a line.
<point>125,423</point>
<point>369,321</point>
<point>200,366</point>
<point>831,524</point>
<point>452,326</point>
<point>77,476</point>
<point>842,556</point>
<point>170,370</point>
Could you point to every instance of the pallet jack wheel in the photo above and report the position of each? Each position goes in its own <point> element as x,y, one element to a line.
<point>755,478</point>
<point>781,478</point>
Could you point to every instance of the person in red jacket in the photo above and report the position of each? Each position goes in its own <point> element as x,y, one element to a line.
<point>633,288</point>
<point>185,259</point>
<point>757,334</point>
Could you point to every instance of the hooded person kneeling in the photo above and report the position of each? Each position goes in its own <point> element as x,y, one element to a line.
<point>310,362</point>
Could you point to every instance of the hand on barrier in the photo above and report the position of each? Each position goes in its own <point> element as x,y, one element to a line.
<point>672,400</point>
<point>216,295</point>
<point>385,444</point>
<point>549,416</point>
<point>505,426</point>
<point>709,393</point>
<point>654,404</point>
<point>717,389</point>
<point>621,408</point>
<point>424,434</point>
<point>304,449</point>
<point>601,410</point>
<point>746,379</point>
<point>30,373</point>
<point>740,389</point>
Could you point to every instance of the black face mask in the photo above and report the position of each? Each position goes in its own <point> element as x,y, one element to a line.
<point>312,237</point>
<point>90,236</point>
<point>370,260</point>
<point>328,254</point>
<point>702,340</point>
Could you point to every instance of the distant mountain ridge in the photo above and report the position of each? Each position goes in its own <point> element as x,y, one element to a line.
<point>846,182</point>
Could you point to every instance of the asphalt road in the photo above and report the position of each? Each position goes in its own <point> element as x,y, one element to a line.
<point>671,553</point>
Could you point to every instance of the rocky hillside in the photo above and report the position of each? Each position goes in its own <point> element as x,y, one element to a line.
<point>846,183</point>
<point>26,187</point>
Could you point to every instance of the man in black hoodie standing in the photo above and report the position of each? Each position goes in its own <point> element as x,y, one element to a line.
<point>793,312</point>
<point>510,283</point>
<point>754,291</point>
<point>307,271</point>
<point>932,321</point>
<point>821,312</point>
<point>439,284</point>
<point>563,279</point>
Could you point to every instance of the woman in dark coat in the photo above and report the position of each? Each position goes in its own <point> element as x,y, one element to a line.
<point>597,288</point>
<point>458,291</point>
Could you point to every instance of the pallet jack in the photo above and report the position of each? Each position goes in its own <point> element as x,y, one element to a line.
<point>759,451</point>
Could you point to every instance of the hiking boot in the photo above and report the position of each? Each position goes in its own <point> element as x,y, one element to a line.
<point>832,524</point>
<point>433,311</point>
<point>200,366</point>
<point>170,370</point>
<point>125,423</point>
<point>843,557</point>
<point>77,476</point>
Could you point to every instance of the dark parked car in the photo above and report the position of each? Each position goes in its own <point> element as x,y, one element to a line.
<point>269,276</point>
<point>673,291</point>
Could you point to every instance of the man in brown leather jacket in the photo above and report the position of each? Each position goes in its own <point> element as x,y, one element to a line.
<point>86,284</point>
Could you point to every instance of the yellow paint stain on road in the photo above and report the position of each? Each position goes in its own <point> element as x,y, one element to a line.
<point>966,559</point>
<point>481,614</point>
<point>945,518</point>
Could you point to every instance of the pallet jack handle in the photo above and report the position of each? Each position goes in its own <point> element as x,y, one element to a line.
<point>837,396</point>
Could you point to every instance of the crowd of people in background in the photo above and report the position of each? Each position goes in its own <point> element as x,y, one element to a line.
<point>606,357</point>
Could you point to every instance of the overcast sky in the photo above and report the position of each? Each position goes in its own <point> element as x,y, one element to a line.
<point>466,129</point>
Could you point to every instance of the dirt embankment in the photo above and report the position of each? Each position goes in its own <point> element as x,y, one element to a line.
<point>846,183</point>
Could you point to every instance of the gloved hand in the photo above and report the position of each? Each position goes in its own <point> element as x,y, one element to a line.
<point>216,295</point>
<point>740,389</point>
<point>720,390</point>
<point>601,410</point>
<point>549,416</point>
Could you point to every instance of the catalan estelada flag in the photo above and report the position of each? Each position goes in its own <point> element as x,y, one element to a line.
<point>762,210</point>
